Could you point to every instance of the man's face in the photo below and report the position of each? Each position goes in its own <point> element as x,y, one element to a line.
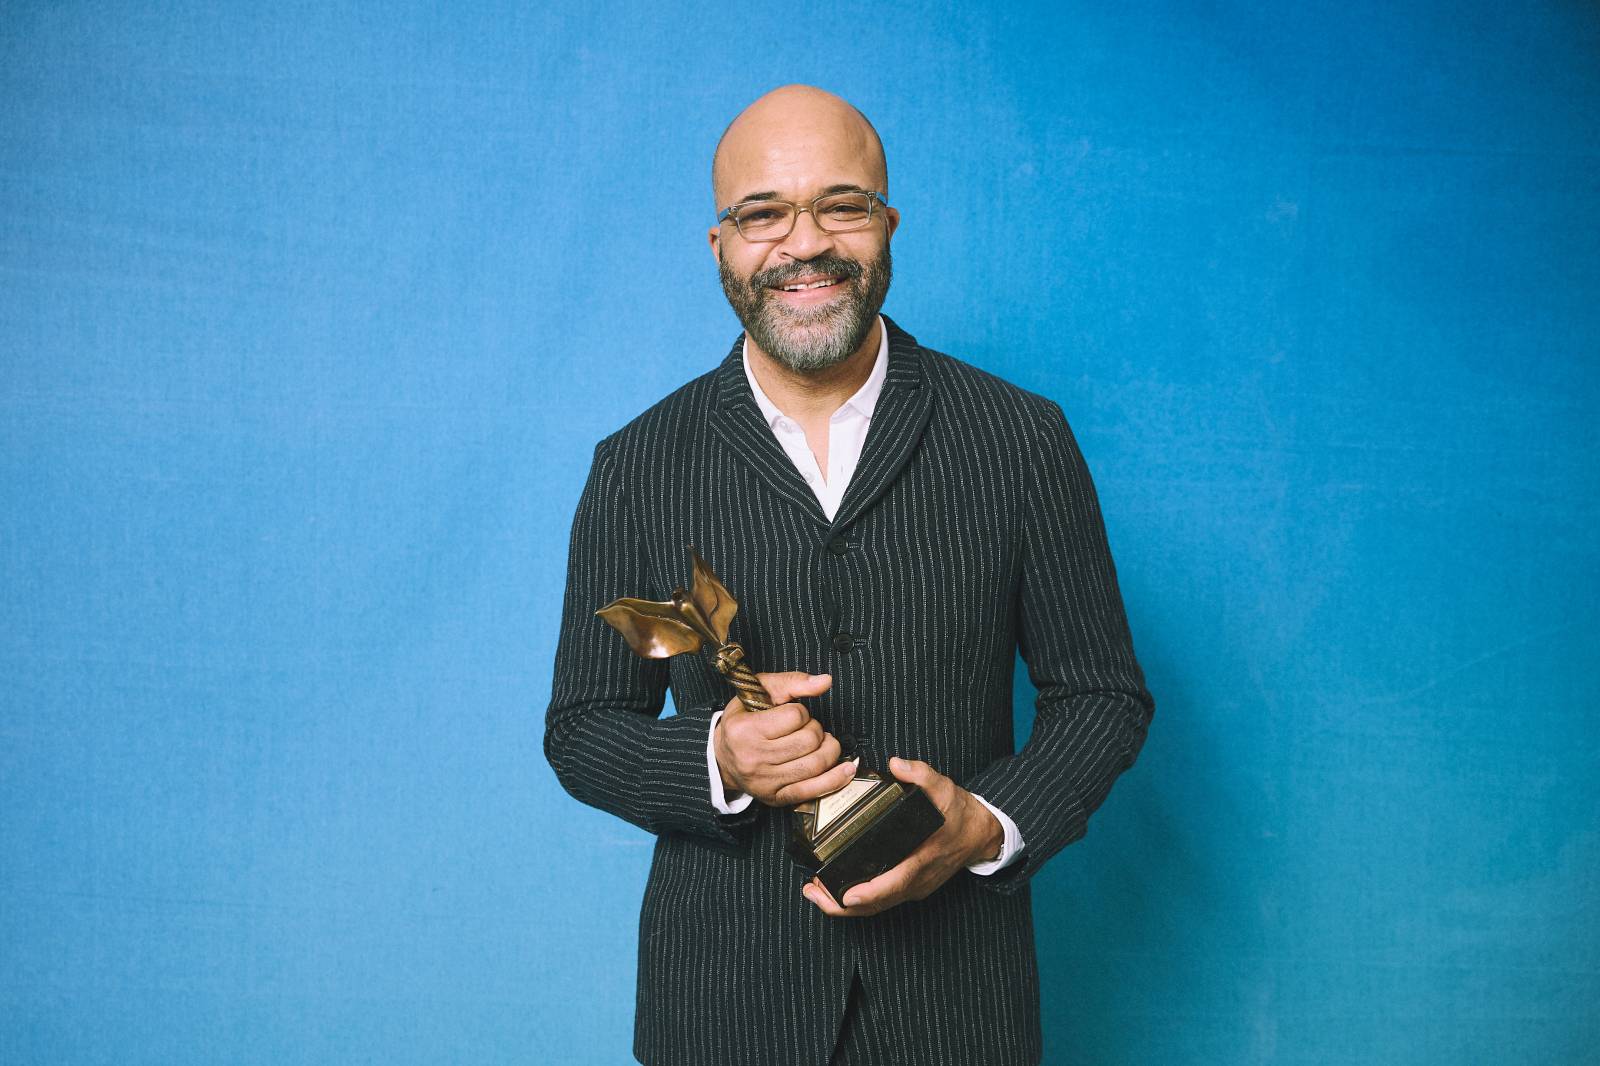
<point>809,300</point>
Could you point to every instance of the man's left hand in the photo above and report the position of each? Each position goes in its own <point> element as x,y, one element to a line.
<point>970,834</point>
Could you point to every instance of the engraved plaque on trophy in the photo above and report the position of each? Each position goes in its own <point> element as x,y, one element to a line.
<point>843,838</point>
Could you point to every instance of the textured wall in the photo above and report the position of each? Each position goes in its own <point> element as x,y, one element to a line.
<point>310,317</point>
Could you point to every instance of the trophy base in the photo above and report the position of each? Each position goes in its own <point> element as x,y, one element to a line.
<point>867,827</point>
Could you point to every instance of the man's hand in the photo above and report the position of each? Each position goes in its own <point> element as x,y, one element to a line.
<point>781,756</point>
<point>970,834</point>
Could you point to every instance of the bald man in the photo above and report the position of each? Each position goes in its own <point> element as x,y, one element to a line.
<point>897,525</point>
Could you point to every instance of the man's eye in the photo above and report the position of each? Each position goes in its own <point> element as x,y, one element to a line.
<point>760,215</point>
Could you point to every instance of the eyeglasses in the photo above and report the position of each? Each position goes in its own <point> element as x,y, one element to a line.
<point>773,220</point>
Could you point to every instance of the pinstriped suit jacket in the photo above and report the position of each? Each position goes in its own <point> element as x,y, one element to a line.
<point>969,530</point>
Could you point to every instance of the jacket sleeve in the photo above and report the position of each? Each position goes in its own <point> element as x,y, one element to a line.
<point>1093,709</point>
<point>604,734</point>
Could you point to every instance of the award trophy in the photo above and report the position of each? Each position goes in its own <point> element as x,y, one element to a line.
<point>843,838</point>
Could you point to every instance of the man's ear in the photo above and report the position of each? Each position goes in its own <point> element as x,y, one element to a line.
<point>714,235</point>
<point>892,221</point>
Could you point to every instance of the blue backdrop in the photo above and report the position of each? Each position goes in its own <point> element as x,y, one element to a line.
<point>311,315</point>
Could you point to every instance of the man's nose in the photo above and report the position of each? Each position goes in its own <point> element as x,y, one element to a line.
<point>807,239</point>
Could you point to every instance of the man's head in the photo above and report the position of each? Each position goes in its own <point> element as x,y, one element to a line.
<point>796,144</point>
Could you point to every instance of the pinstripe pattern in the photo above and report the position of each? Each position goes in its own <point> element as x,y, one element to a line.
<point>972,529</point>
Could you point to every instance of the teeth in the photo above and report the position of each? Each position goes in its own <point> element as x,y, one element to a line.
<point>813,285</point>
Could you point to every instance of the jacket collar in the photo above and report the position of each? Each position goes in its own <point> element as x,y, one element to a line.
<point>898,421</point>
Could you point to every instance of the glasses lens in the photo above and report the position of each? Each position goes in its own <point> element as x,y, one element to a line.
<point>764,219</point>
<point>845,211</point>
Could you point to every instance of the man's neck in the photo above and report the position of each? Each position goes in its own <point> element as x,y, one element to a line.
<point>814,396</point>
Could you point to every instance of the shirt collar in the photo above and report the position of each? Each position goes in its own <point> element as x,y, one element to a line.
<point>864,400</point>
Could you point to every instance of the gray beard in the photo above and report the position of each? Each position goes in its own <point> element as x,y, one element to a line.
<point>806,341</point>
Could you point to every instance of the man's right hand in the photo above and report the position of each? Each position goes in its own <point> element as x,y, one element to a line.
<point>782,756</point>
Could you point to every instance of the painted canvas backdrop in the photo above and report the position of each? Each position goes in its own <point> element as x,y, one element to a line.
<point>311,315</point>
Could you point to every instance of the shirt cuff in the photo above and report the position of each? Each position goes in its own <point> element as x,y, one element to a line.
<point>738,801</point>
<point>1010,847</point>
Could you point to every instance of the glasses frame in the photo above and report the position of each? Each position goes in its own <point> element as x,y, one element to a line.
<point>875,200</point>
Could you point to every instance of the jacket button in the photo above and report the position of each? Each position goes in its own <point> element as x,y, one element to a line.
<point>838,545</point>
<point>843,642</point>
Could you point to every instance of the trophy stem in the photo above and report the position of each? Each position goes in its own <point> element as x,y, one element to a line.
<point>730,661</point>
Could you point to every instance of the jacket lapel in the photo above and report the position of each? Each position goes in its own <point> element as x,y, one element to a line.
<point>737,420</point>
<point>902,413</point>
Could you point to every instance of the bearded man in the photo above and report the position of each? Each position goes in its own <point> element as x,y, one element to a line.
<point>897,526</point>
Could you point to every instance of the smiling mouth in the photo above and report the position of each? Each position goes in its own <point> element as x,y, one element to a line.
<point>806,285</point>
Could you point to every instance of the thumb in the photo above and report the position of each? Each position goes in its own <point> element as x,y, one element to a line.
<point>786,687</point>
<point>913,771</point>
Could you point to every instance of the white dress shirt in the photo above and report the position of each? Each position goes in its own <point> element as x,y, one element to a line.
<point>847,432</point>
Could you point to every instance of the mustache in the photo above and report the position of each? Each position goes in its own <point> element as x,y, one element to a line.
<point>836,265</point>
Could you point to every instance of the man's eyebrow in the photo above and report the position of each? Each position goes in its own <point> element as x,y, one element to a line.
<point>769,194</point>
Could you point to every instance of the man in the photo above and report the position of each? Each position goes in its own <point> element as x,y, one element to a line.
<point>896,525</point>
